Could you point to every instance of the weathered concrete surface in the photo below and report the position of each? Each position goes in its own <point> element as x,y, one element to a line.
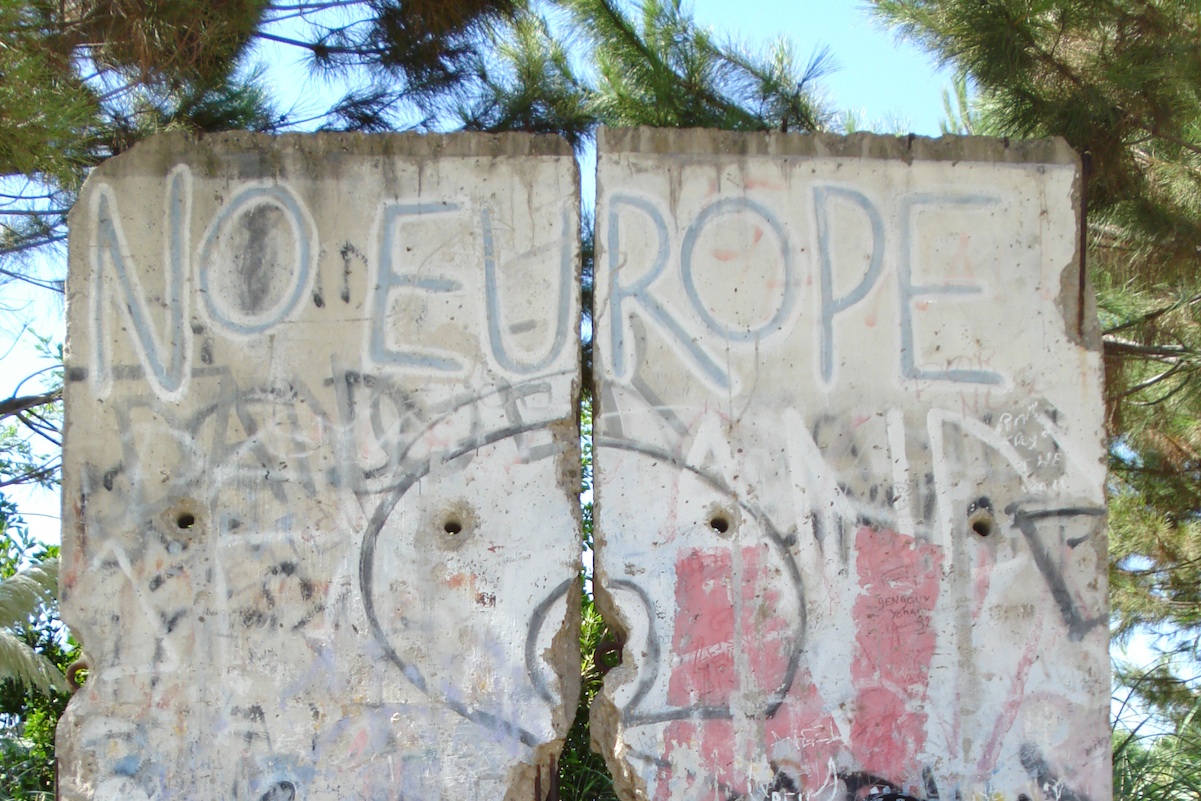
<point>849,470</point>
<point>320,528</point>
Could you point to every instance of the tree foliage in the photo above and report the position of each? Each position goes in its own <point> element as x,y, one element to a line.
<point>654,66</point>
<point>1150,764</point>
<point>35,651</point>
<point>85,80</point>
<point>660,69</point>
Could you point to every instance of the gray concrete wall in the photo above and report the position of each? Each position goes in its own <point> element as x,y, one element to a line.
<point>321,463</point>
<point>849,469</point>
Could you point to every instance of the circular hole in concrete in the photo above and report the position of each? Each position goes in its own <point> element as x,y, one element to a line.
<point>451,525</point>
<point>77,674</point>
<point>185,520</point>
<point>980,516</point>
<point>722,519</point>
<point>981,523</point>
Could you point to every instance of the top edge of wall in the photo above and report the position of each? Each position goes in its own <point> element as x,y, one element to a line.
<point>307,145</point>
<point>702,141</point>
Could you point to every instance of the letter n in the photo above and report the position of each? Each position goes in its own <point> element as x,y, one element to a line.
<point>164,359</point>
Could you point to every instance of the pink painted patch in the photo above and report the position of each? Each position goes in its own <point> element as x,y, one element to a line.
<point>714,739</point>
<point>708,629</point>
<point>705,633</point>
<point>895,643</point>
<point>801,737</point>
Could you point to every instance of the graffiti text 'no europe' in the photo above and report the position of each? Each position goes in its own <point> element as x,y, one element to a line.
<point>166,365</point>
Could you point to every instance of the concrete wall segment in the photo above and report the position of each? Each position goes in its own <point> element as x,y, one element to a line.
<point>320,525</point>
<point>849,469</point>
<point>321,465</point>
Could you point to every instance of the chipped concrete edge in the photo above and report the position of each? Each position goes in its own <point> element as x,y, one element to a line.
<point>215,150</point>
<point>604,717</point>
<point>706,142</point>
<point>1077,301</point>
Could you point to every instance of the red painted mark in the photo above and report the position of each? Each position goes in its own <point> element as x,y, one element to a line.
<point>801,737</point>
<point>720,649</point>
<point>715,741</point>
<point>729,254</point>
<point>800,740</point>
<point>359,745</point>
<point>961,259</point>
<point>1004,722</point>
<point>755,183</point>
<point>706,633</point>
<point>460,580</point>
<point>895,643</point>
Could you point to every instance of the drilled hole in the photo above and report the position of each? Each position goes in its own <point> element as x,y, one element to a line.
<point>719,524</point>
<point>185,520</point>
<point>77,674</point>
<point>982,527</point>
<point>452,527</point>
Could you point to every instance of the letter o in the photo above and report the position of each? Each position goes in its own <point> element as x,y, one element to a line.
<point>242,205</point>
<point>728,206</point>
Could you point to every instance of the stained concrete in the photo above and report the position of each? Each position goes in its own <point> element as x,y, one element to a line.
<point>320,472</point>
<point>849,469</point>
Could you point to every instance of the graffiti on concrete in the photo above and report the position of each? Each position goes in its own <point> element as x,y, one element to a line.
<point>322,537</point>
<point>849,474</point>
<point>321,529</point>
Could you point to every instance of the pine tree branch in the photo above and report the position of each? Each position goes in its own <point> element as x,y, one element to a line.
<point>1049,60</point>
<point>1150,382</point>
<point>40,426</point>
<point>620,27</point>
<point>1124,347</point>
<point>32,212</point>
<point>21,403</point>
<point>1155,314</point>
<point>1194,149</point>
<point>319,50</point>
<point>312,7</point>
<point>1163,398</point>
<point>40,475</point>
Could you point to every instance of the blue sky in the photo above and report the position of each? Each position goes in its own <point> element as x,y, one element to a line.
<point>878,76</point>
